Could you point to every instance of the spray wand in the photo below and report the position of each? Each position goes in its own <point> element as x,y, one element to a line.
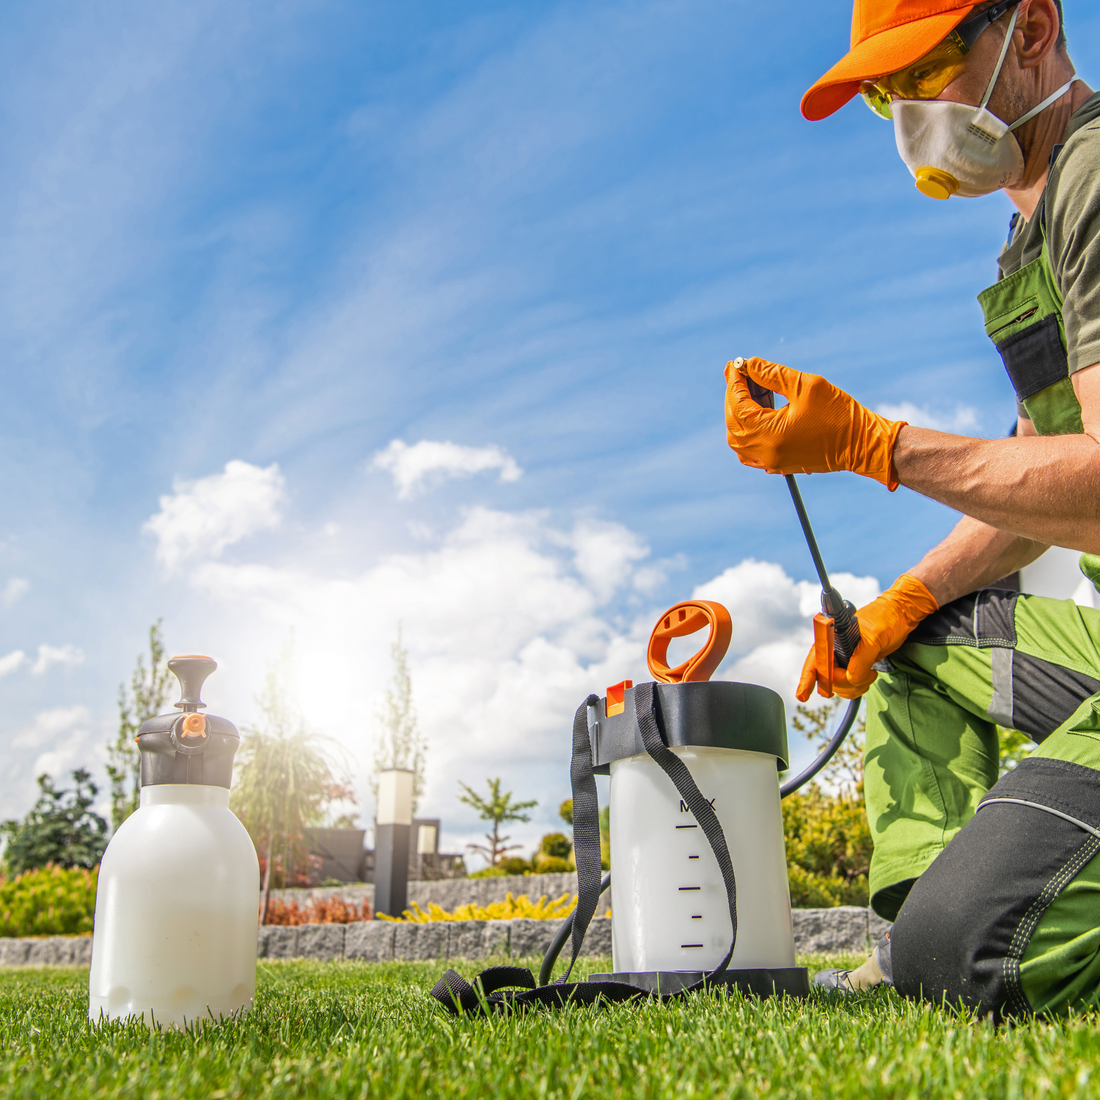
<point>836,628</point>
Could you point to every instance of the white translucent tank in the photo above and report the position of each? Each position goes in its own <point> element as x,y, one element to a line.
<point>668,901</point>
<point>176,911</point>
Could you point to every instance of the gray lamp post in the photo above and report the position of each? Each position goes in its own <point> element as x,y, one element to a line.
<point>393,825</point>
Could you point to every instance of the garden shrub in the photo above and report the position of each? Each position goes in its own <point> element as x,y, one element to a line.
<point>318,911</point>
<point>828,848</point>
<point>521,908</point>
<point>49,901</point>
<point>549,865</point>
<point>61,829</point>
<point>556,845</point>
<point>553,854</point>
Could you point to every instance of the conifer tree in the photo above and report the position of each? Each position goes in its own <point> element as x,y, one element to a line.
<point>399,742</point>
<point>149,691</point>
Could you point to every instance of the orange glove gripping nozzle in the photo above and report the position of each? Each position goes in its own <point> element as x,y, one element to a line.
<point>884,624</point>
<point>820,429</point>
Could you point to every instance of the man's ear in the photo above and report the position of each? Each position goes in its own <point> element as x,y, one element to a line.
<point>1036,33</point>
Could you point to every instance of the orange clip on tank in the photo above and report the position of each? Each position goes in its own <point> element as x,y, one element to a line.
<point>824,633</point>
<point>686,618</point>
<point>616,697</point>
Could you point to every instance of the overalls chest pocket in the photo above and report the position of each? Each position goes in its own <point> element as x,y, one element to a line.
<point>1023,318</point>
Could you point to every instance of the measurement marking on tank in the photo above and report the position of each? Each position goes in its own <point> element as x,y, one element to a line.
<point>693,857</point>
<point>687,826</point>
<point>691,945</point>
<point>697,916</point>
<point>691,888</point>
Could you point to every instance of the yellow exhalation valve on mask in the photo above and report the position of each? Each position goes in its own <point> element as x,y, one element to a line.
<point>936,183</point>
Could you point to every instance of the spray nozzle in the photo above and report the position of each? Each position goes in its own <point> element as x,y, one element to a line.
<point>191,669</point>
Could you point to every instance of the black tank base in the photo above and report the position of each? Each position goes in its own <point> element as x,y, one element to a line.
<point>791,981</point>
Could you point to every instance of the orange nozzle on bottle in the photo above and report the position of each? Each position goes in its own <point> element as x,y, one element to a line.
<point>194,725</point>
<point>677,622</point>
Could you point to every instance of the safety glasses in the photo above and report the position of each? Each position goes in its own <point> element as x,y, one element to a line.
<point>928,77</point>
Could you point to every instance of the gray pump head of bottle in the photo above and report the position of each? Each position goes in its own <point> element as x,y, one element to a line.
<point>188,747</point>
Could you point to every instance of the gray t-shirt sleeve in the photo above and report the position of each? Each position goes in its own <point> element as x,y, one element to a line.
<point>1073,236</point>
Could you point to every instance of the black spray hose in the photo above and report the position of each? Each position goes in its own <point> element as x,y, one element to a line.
<point>826,753</point>
<point>565,930</point>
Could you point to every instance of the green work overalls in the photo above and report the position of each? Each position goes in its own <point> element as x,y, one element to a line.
<point>1009,918</point>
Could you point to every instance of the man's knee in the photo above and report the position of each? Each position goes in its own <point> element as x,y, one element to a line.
<point>963,930</point>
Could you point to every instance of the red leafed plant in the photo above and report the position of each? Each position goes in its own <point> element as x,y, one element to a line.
<point>319,911</point>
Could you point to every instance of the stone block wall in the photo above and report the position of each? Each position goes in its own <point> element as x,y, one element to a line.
<point>847,929</point>
<point>379,941</point>
<point>46,951</point>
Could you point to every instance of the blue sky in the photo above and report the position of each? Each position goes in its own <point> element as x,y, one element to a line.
<point>244,248</point>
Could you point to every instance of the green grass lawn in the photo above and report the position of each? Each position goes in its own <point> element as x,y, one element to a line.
<point>354,1029</point>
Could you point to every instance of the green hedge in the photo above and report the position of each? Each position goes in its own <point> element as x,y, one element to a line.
<point>50,901</point>
<point>828,848</point>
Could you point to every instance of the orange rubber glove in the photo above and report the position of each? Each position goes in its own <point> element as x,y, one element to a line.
<point>819,430</point>
<point>884,624</point>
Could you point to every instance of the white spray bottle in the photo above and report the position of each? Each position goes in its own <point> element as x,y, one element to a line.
<point>179,885</point>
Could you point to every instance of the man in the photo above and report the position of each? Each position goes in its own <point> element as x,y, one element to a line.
<point>994,886</point>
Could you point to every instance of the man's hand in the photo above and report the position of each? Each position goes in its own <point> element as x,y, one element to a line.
<point>884,624</point>
<point>820,429</point>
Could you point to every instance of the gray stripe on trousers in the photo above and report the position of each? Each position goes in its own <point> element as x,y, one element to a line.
<point>1000,706</point>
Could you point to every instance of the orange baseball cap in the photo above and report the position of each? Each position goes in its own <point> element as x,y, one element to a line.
<point>887,35</point>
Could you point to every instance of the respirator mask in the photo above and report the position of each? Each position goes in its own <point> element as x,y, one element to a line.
<point>954,148</point>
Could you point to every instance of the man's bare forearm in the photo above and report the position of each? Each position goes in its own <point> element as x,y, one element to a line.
<point>973,555</point>
<point>1044,490</point>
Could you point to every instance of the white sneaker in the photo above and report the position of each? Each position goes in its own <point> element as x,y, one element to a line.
<point>876,971</point>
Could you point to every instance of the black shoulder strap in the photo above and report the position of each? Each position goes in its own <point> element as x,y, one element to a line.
<point>502,987</point>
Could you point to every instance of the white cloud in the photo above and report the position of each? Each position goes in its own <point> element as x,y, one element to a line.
<point>203,517</point>
<point>510,622</point>
<point>59,739</point>
<point>605,553</point>
<point>11,661</point>
<point>412,468</point>
<point>47,725</point>
<point>963,420</point>
<point>13,590</point>
<point>50,655</point>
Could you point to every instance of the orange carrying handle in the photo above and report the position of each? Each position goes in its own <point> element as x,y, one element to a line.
<point>680,620</point>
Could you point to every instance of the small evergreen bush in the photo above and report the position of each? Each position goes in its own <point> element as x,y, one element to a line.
<point>828,848</point>
<point>827,834</point>
<point>488,872</point>
<point>49,901</point>
<point>59,830</point>
<point>521,908</point>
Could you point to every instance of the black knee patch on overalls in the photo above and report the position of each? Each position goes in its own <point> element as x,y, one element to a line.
<point>964,928</point>
<point>982,619</point>
<point>1030,694</point>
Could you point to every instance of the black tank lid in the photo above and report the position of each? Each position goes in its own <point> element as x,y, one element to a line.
<point>188,747</point>
<point>716,714</point>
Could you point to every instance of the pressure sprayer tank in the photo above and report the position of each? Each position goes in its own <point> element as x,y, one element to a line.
<point>670,914</point>
<point>179,885</point>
